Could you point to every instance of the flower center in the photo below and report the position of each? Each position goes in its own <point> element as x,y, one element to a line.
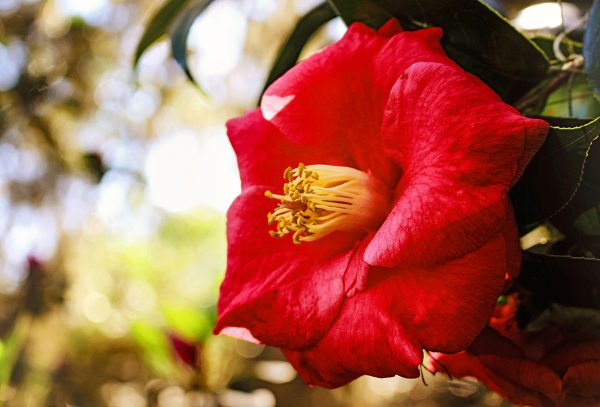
<point>321,199</point>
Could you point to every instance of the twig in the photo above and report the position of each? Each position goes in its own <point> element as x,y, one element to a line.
<point>570,94</point>
<point>533,99</point>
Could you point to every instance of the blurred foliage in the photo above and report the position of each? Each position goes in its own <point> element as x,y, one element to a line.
<point>592,47</point>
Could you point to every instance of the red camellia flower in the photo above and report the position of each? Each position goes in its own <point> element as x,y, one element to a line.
<point>543,368</point>
<point>394,233</point>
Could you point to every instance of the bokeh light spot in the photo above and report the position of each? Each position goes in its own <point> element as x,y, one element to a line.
<point>185,171</point>
<point>96,307</point>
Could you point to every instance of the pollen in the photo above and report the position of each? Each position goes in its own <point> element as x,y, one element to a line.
<point>320,199</point>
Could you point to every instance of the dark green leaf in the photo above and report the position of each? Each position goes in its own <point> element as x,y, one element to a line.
<point>366,11</point>
<point>180,35</point>
<point>553,178</point>
<point>591,47</point>
<point>583,322</point>
<point>580,220</point>
<point>475,36</point>
<point>290,51</point>
<point>565,280</point>
<point>158,26</point>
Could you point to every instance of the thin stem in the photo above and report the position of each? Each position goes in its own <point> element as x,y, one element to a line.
<point>533,99</point>
<point>570,94</point>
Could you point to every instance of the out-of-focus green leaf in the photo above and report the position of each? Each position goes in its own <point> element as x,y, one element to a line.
<point>11,347</point>
<point>193,324</point>
<point>190,230</point>
<point>180,35</point>
<point>158,26</point>
<point>291,49</point>
<point>554,177</point>
<point>155,347</point>
<point>563,280</point>
<point>475,36</point>
<point>591,47</point>
<point>573,99</point>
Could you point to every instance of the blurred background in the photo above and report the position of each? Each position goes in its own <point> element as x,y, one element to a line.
<point>114,185</point>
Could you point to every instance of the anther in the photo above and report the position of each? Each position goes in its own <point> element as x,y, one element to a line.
<point>320,199</point>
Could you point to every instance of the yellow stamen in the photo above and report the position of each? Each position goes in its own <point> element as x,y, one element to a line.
<point>321,199</point>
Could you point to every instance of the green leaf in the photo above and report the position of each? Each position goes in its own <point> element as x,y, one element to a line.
<point>583,322</point>
<point>180,35</point>
<point>591,47</point>
<point>193,324</point>
<point>158,26</point>
<point>572,281</point>
<point>366,11</point>
<point>580,220</point>
<point>578,91</point>
<point>11,348</point>
<point>290,51</point>
<point>554,177</point>
<point>155,347</point>
<point>475,36</point>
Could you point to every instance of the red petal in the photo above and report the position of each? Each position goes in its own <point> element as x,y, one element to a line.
<point>381,330</point>
<point>286,295</point>
<point>443,117</point>
<point>355,278</point>
<point>583,381</point>
<point>463,365</point>
<point>390,28</point>
<point>460,148</point>
<point>239,333</point>
<point>528,374</point>
<point>519,381</point>
<point>337,96</point>
<point>447,306</point>
<point>263,153</point>
<point>570,353</point>
<point>437,213</point>
<point>491,342</point>
<point>365,339</point>
<point>186,351</point>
